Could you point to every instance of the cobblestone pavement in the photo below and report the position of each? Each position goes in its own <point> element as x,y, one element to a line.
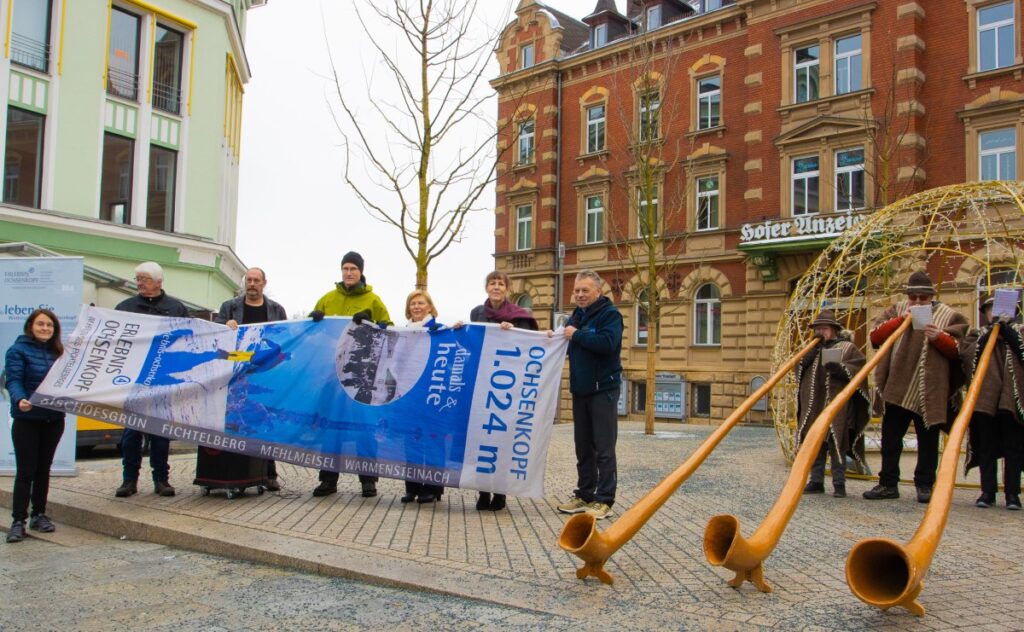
<point>511,558</point>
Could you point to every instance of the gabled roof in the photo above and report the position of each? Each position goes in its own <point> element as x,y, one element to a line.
<point>574,32</point>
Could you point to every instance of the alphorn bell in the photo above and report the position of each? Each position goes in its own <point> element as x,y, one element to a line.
<point>724,545</point>
<point>883,573</point>
<point>580,535</point>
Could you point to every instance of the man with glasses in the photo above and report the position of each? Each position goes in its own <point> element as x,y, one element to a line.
<point>151,299</point>
<point>253,307</point>
<point>916,382</point>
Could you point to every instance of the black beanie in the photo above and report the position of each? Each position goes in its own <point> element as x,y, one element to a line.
<point>353,257</point>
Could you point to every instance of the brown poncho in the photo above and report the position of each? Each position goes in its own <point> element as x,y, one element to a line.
<point>818,387</point>
<point>916,375</point>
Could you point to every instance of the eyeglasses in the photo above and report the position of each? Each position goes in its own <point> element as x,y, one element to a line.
<point>144,279</point>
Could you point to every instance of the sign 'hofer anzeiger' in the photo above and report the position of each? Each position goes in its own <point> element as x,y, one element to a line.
<point>796,228</point>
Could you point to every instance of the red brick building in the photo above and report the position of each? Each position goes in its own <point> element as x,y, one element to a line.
<point>767,127</point>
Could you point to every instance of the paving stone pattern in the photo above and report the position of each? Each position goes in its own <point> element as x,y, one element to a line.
<point>662,580</point>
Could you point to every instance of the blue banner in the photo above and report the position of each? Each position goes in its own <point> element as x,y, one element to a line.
<point>468,407</point>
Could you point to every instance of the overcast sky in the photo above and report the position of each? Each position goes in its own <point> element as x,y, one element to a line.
<point>296,216</point>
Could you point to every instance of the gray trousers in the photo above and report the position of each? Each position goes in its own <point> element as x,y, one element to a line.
<point>838,464</point>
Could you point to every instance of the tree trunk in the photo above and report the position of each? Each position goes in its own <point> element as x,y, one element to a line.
<point>652,356</point>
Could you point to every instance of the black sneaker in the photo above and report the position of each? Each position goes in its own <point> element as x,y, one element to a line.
<point>17,532</point>
<point>881,492</point>
<point>985,500</point>
<point>325,488</point>
<point>497,502</point>
<point>1012,502</point>
<point>162,488</point>
<point>839,490</point>
<point>369,489</point>
<point>41,523</point>
<point>814,488</point>
<point>127,489</point>
<point>272,485</point>
<point>924,494</point>
<point>483,501</point>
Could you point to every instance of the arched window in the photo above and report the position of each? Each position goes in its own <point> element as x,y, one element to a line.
<point>524,301</point>
<point>997,278</point>
<point>707,316</point>
<point>760,405</point>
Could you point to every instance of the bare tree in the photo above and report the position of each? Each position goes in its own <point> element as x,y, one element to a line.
<point>437,156</point>
<point>649,241</point>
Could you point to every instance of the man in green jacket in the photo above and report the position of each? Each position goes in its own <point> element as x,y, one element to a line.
<point>352,297</point>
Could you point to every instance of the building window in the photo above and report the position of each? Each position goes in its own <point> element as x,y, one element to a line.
<point>848,64</point>
<point>526,145</point>
<point>998,151</point>
<point>707,315</point>
<point>167,55</point>
<point>711,5</point>
<point>524,227</point>
<point>595,219</point>
<point>524,301</point>
<point>650,109</point>
<point>709,102</point>
<point>30,34</point>
<point>116,178</point>
<point>653,17</point>
<point>701,404</point>
<point>850,179</point>
<point>807,73</point>
<point>163,165</point>
<point>707,203</point>
<point>643,320</point>
<point>600,35</point>
<point>23,157</point>
<point>647,211</point>
<point>526,56</point>
<point>995,36</point>
<point>123,56</point>
<point>595,128</point>
<point>805,185</point>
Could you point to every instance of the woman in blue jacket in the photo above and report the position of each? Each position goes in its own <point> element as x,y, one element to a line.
<point>35,431</point>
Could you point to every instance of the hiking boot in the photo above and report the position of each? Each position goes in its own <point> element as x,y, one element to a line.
<point>369,489</point>
<point>497,502</point>
<point>924,494</point>
<point>483,501</point>
<point>17,532</point>
<point>839,490</point>
<point>574,506</point>
<point>1012,502</point>
<point>985,501</point>
<point>814,488</point>
<point>599,510</point>
<point>272,485</point>
<point>881,492</point>
<point>41,523</point>
<point>325,488</point>
<point>408,498</point>
<point>127,488</point>
<point>162,488</point>
<point>426,498</point>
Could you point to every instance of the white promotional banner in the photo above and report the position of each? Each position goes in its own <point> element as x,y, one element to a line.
<point>26,284</point>
<point>468,407</point>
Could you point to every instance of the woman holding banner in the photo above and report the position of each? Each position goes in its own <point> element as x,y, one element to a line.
<point>35,431</point>
<point>498,309</point>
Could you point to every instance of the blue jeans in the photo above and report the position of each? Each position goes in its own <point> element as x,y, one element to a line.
<point>131,450</point>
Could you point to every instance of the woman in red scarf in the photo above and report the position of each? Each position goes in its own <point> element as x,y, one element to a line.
<point>498,309</point>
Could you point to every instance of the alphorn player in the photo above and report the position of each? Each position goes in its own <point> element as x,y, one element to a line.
<point>917,382</point>
<point>997,425</point>
<point>822,374</point>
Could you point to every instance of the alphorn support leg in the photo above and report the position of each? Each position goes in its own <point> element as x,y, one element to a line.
<point>755,576</point>
<point>597,570</point>
<point>912,604</point>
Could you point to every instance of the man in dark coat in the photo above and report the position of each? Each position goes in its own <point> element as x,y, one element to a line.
<point>151,299</point>
<point>822,374</point>
<point>253,307</point>
<point>918,383</point>
<point>997,425</point>
<point>594,332</point>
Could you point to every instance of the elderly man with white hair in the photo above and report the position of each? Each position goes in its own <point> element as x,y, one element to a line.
<point>151,299</point>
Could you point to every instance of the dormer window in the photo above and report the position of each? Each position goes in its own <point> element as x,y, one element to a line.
<point>711,5</point>
<point>600,35</point>
<point>653,17</point>
<point>526,56</point>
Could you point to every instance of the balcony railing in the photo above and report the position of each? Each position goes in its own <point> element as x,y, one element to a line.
<point>28,52</point>
<point>166,98</point>
<point>123,84</point>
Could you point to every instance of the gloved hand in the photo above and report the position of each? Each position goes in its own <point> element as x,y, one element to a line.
<point>359,317</point>
<point>808,360</point>
<point>835,369</point>
<point>383,324</point>
<point>316,315</point>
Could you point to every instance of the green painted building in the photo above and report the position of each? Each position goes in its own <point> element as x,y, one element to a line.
<point>121,139</point>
